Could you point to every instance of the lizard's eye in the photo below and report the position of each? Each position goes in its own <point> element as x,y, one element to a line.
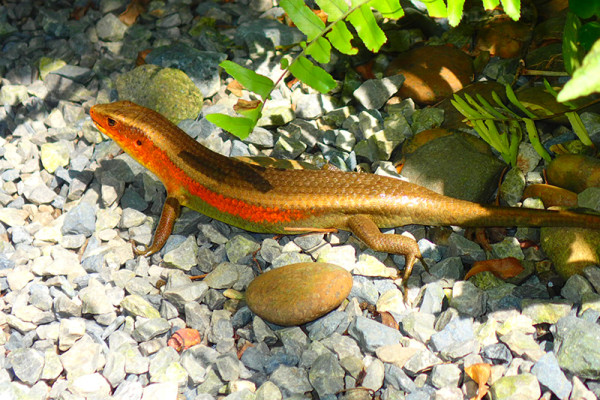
<point>111,122</point>
<point>138,142</point>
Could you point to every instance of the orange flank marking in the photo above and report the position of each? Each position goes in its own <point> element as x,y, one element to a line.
<point>249,212</point>
<point>158,161</point>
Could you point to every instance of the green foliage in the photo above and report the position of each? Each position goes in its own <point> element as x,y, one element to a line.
<point>254,82</point>
<point>322,38</point>
<point>238,126</point>
<point>502,128</point>
<point>586,79</point>
<point>455,11</point>
<point>512,8</point>
<point>584,8</point>
<point>572,52</point>
<point>580,36</point>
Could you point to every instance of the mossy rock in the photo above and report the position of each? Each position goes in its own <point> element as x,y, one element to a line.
<point>571,249</point>
<point>298,293</point>
<point>168,91</point>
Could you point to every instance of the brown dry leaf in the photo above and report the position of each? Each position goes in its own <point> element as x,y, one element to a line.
<point>366,70</point>
<point>235,88</point>
<point>503,268</point>
<point>322,15</point>
<point>242,105</point>
<point>525,244</point>
<point>79,12</point>
<point>388,320</point>
<point>482,239</point>
<point>245,347</point>
<point>141,57</point>
<point>480,373</point>
<point>184,338</point>
<point>291,82</point>
<point>133,11</point>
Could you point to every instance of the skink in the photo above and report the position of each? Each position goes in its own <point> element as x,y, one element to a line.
<point>273,200</point>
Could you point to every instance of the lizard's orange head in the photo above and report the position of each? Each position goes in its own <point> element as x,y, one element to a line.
<point>125,122</point>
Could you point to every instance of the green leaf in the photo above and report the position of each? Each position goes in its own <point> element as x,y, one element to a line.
<point>510,94</point>
<point>314,76</point>
<point>480,109</point>
<point>388,8</point>
<point>588,34</point>
<point>320,50</point>
<point>239,126</point>
<point>579,128</point>
<point>495,137</point>
<point>250,109</point>
<point>516,134</point>
<point>554,93</point>
<point>586,79</point>
<point>490,4</point>
<point>436,8</point>
<point>512,8</point>
<point>464,108</point>
<point>572,52</point>
<point>334,9</point>
<point>340,37</point>
<point>252,81</point>
<point>489,107</point>
<point>364,22</point>
<point>455,11</point>
<point>584,8</point>
<point>535,139</point>
<point>500,104</point>
<point>306,20</point>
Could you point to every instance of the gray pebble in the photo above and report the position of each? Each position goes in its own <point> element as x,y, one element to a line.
<point>223,276</point>
<point>291,380</point>
<point>373,93</point>
<point>181,295</point>
<point>549,374</point>
<point>27,364</point>
<point>80,220</point>
<point>396,377</point>
<point>575,288</point>
<point>576,341</point>
<point>468,251</point>
<point>468,299</point>
<point>229,367</point>
<point>421,361</point>
<point>150,328</point>
<point>326,375</point>
<point>371,334</point>
<point>445,375</point>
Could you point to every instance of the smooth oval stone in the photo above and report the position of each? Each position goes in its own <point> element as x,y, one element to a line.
<point>298,293</point>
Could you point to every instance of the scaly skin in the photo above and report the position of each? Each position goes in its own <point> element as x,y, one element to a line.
<point>272,200</point>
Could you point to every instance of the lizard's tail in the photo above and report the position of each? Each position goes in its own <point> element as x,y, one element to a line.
<point>463,213</point>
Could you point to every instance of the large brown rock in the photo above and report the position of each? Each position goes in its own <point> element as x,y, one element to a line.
<point>298,293</point>
<point>432,73</point>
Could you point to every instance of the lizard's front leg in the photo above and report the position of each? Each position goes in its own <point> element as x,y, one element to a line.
<point>367,231</point>
<point>168,216</point>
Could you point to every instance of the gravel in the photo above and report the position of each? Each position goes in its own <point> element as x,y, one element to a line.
<point>83,317</point>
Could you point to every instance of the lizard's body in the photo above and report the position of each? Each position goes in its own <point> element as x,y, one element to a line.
<point>272,200</point>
